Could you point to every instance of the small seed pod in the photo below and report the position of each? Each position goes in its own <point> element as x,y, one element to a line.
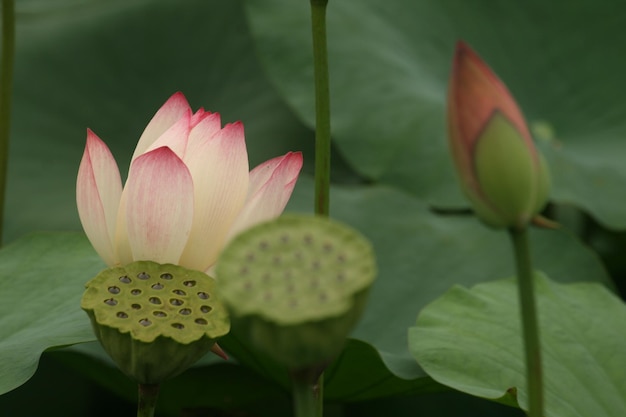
<point>296,286</point>
<point>154,320</point>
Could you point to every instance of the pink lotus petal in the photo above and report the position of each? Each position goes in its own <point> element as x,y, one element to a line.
<point>202,132</point>
<point>173,109</point>
<point>98,191</point>
<point>219,166</point>
<point>199,116</point>
<point>175,137</point>
<point>159,206</point>
<point>271,185</point>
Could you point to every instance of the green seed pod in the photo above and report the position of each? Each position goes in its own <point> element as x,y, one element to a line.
<point>296,286</point>
<point>154,320</point>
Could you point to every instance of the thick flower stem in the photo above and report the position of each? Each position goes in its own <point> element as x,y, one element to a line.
<point>6,83</point>
<point>148,394</point>
<point>305,399</point>
<point>530,324</point>
<point>322,107</point>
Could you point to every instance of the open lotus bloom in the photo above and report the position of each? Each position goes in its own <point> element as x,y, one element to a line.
<point>501,172</point>
<point>188,190</point>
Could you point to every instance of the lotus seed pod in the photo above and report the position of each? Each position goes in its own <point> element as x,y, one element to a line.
<point>154,320</point>
<point>296,286</point>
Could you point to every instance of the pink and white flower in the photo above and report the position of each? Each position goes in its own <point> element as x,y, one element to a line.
<point>187,194</point>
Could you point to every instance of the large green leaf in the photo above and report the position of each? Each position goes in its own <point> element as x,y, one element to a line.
<point>389,63</point>
<point>41,282</point>
<point>211,383</point>
<point>469,339</point>
<point>109,65</point>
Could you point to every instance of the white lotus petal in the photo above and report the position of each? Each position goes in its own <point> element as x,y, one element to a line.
<point>219,166</point>
<point>159,206</point>
<point>98,191</point>
<point>173,109</point>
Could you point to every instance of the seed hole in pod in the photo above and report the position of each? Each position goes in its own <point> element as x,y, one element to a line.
<point>201,321</point>
<point>268,296</point>
<point>307,239</point>
<point>341,258</point>
<point>298,255</point>
<point>315,282</point>
<point>179,292</point>
<point>244,270</point>
<point>266,277</point>
<point>277,260</point>
<point>135,291</point>
<point>145,322</point>
<point>284,238</point>
<point>327,247</point>
<point>143,275</point>
<point>189,283</point>
<point>341,277</point>
<point>178,326</point>
<point>110,301</point>
<point>157,286</point>
<point>206,309</point>
<point>323,297</point>
<point>290,288</point>
<point>125,279</point>
<point>315,265</point>
<point>135,306</point>
<point>122,315</point>
<point>247,286</point>
<point>288,274</point>
<point>114,290</point>
<point>185,311</point>
<point>203,296</point>
<point>159,313</point>
<point>155,300</point>
<point>293,303</point>
<point>264,245</point>
<point>176,302</point>
<point>250,257</point>
<point>167,276</point>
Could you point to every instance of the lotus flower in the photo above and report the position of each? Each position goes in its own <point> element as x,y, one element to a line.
<point>500,170</point>
<point>188,190</point>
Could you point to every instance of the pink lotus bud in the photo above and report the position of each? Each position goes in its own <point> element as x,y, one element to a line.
<point>500,170</point>
<point>188,190</point>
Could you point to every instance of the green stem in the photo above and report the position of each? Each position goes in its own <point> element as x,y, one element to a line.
<point>322,156</point>
<point>305,403</point>
<point>530,324</point>
<point>322,107</point>
<point>6,83</point>
<point>148,394</point>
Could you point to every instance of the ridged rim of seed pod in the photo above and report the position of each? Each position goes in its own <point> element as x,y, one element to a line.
<point>294,269</point>
<point>148,300</point>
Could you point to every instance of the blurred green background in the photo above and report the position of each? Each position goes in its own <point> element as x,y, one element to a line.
<point>110,64</point>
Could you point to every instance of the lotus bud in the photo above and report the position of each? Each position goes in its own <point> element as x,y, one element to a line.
<point>501,172</point>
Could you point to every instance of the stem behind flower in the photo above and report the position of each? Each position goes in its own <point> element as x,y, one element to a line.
<point>322,107</point>
<point>6,83</point>
<point>322,140</point>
